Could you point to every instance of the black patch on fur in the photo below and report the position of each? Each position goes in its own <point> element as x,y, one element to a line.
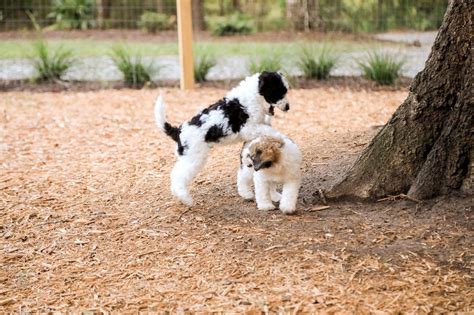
<point>181,148</point>
<point>214,134</point>
<point>271,87</point>
<point>232,110</point>
<point>172,132</point>
<point>236,114</point>
<point>196,120</point>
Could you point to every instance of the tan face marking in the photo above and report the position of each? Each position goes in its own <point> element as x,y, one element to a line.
<point>265,152</point>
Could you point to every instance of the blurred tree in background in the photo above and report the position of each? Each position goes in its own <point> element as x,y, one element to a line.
<point>267,15</point>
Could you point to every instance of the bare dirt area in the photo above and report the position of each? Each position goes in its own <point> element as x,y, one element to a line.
<point>87,222</point>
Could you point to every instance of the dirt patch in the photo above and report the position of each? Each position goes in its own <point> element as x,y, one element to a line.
<point>88,223</point>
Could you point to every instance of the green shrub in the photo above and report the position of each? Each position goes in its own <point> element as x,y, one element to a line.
<point>382,68</point>
<point>274,20</point>
<point>267,63</point>
<point>202,65</point>
<point>232,25</point>
<point>317,64</point>
<point>50,64</point>
<point>135,72</point>
<point>153,22</point>
<point>73,14</point>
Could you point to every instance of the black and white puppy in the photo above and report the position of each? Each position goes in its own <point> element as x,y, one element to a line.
<point>239,116</point>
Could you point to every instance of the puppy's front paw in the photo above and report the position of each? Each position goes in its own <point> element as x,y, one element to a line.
<point>276,196</point>
<point>183,196</point>
<point>287,210</point>
<point>266,207</point>
<point>247,195</point>
<point>187,200</point>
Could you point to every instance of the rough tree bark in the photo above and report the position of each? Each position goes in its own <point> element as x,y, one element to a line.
<point>425,149</point>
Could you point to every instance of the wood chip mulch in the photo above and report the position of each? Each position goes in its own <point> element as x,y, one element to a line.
<point>87,222</point>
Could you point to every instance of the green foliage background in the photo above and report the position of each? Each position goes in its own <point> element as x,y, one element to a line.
<point>334,15</point>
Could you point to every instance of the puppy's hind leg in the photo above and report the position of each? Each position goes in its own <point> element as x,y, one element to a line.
<point>184,171</point>
<point>244,182</point>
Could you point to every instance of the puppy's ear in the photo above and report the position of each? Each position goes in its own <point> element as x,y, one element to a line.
<point>273,142</point>
<point>271,87</point>
<point>263,80</point>
<point>277,142</point>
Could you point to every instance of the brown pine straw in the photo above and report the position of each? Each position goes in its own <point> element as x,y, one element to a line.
<point>87,222</point>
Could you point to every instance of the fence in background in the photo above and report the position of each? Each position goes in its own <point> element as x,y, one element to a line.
<point>262,15</point>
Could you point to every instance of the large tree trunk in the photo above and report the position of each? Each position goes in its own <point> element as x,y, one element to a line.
<point>425,148</point>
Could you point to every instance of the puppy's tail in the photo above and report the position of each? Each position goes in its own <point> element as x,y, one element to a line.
<point>160,119</point>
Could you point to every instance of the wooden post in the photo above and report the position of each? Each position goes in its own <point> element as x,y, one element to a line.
<point>185,38</point>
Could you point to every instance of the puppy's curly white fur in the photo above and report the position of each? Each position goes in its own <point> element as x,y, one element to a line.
<point>239,116</point>
<point>268,162</point>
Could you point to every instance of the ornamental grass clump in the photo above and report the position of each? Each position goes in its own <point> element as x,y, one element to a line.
<point>136,73</point>
<point>50,63</point>
<point>317,64</point>
<point>382,68</point>
<point>202,65</point>
<point>267,63</point>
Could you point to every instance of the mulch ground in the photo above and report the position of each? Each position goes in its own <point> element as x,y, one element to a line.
<point>87,222</point>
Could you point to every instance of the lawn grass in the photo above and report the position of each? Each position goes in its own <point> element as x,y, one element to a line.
<point>94,48</point>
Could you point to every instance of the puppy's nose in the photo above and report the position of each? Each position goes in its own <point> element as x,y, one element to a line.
<point>287,107</point>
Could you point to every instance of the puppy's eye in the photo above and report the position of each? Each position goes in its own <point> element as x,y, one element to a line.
<point>258,152</point>
<point>267,164</point>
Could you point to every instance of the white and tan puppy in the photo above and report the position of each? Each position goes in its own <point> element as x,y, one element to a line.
<point>267,162</point>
